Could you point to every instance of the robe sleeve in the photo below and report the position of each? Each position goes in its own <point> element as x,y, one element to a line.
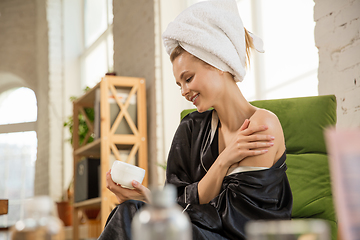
<point>179,164</point>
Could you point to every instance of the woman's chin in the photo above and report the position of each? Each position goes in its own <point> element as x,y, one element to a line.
<point>200,109</point>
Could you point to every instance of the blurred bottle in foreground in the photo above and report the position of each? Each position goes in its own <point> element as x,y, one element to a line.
<point>295,229</point>
<point>40,222</point>
<point>162,219</point>
<point>343,146</point>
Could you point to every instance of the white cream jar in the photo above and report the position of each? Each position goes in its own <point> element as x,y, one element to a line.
<point>124,173</point>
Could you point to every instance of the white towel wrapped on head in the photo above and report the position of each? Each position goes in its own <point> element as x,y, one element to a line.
<point>213,32</point>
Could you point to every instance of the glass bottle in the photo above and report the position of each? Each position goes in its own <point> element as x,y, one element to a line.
<point>163,219</point>
<point>40,222</point>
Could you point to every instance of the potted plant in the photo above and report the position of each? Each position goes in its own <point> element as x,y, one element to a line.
<point>64,207</point>
<point>83,127</point>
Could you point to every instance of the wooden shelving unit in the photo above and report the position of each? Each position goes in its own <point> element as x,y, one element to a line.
<point>110,142</point>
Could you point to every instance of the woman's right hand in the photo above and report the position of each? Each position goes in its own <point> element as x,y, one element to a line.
<point>139,192</point>
<point>246,144</point>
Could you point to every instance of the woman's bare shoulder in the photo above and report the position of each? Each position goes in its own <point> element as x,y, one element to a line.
<point>268,118</point>
<point>265,117</point>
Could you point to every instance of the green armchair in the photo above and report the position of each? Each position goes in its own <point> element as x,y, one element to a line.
<point>303,121</point>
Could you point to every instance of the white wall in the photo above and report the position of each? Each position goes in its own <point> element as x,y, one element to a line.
<point>49,69</point>
<point>337,36</point>
<point>72,47</point>
<point>170,103</point>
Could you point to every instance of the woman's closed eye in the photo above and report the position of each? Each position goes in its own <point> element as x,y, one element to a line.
<point>179,85</point>
<point>188,80</point>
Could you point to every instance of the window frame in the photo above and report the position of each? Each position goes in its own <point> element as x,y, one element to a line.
<point>86,51</point>
<point>20,127</point>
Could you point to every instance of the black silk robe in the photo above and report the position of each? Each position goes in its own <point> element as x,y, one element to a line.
<point>244,196</point>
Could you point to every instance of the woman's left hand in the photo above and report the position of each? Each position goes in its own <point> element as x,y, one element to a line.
<point>139,192</point>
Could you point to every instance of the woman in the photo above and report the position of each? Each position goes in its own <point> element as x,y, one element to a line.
<point>228,164</point>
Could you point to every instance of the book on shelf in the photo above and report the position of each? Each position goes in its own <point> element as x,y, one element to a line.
<point>87,183</point>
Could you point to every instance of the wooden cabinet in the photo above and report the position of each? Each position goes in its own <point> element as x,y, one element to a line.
<point>110,142</point>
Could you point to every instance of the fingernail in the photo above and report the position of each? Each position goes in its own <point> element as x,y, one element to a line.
<point>135,183</point>
<point>272,137</point>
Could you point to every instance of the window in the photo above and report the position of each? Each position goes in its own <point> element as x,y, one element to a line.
<point>18,147</point>
<point>288,68</point>
<point>97,58</point>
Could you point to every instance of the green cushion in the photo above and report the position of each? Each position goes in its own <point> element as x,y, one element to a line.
<point>303,121</point>
<point>309,179</point>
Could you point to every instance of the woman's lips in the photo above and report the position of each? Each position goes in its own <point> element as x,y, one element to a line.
<point>194,98</point>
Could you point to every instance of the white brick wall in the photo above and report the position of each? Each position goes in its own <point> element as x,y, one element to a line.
<point>49,174</point>
<point>55,95</point>
<point>160,131</point>
<point>337,36</point>
<point>43,154</point>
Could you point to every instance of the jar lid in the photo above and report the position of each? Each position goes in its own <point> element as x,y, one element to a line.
<point>164,197</point>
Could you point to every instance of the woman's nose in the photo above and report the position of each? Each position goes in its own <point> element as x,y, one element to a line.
<point>184,90</point>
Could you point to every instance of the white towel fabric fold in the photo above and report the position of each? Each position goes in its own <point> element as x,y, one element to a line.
<point>212,31</point>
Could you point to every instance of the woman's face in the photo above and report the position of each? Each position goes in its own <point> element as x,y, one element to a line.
<point>200,83</point>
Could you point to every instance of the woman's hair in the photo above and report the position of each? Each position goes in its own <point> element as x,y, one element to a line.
<point>176,52</point>
<point>248,41</point>
<point>249,44</point>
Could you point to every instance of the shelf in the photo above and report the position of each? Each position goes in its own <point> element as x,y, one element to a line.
<point>89,149</point>
<point>109,144</point>
<point>94,202</point>
<point>122,141</point>
<point>88,97</point>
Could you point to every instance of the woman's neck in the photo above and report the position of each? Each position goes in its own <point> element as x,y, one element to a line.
<point>233,109</point>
